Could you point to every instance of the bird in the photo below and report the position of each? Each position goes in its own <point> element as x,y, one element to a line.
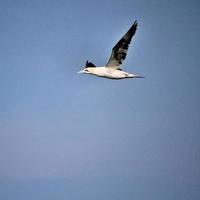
<point>113,68</point>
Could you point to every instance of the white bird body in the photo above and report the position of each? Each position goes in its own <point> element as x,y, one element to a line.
<point>107,72</point>
<point>112,69</point>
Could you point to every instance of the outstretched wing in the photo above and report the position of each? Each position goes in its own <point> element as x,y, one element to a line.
<point>120,50</point>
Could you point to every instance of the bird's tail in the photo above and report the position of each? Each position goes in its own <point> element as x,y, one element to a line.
<point>137,76</point>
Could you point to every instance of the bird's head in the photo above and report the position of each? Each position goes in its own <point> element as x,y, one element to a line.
<point>85,71</point>
<point>88,68</point>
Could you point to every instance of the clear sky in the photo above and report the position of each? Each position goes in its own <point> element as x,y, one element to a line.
<point>67,136</point>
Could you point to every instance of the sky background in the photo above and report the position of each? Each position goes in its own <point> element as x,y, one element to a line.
<point>69,136</point>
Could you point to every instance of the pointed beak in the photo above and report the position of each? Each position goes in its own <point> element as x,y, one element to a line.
<point>81,72</point>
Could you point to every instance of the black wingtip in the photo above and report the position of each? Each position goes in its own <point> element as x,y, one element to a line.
<point>89,64</point>
<point>135,22</point>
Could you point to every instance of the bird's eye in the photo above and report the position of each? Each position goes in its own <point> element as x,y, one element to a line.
<point>86,70</point>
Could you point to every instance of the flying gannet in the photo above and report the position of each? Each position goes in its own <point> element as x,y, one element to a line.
<point>112,69</point>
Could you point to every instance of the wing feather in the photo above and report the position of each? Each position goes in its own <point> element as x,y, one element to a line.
<point>120,50</point>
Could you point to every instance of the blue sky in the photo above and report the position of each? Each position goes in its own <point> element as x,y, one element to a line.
<point>70,136</point>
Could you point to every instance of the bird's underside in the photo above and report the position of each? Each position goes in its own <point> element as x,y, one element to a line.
<point>112,69</point>
<point>110,73</point>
